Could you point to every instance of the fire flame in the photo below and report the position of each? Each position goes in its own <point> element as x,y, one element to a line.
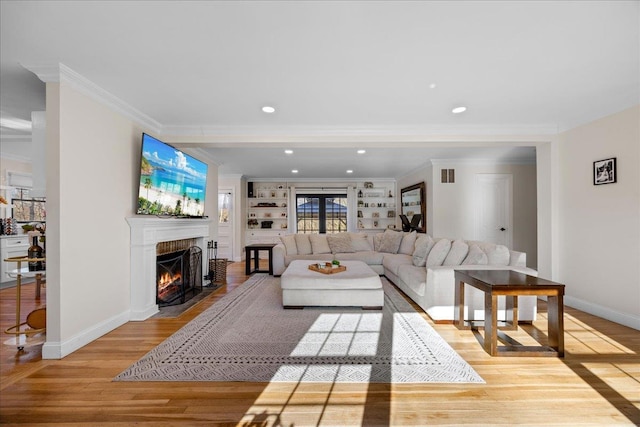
<point>167,283</point>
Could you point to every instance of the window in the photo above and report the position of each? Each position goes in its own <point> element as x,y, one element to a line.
<point>321,213</point>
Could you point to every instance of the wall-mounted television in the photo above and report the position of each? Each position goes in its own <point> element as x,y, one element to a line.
<point>171,182</point>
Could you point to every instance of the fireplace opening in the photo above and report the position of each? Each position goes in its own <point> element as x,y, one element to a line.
<point>178,276</point>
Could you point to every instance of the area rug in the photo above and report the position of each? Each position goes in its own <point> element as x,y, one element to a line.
<point>248,336</point>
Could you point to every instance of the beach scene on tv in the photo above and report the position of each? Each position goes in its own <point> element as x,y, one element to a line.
<point>171,182</point>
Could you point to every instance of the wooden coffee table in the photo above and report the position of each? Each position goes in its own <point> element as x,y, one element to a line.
<point>511,284</point>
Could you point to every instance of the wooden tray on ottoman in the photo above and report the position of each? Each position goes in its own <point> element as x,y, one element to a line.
<point>328,270</point>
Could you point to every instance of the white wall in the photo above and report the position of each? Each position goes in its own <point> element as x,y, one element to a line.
<point>599,226</point>
<point>92,166</point>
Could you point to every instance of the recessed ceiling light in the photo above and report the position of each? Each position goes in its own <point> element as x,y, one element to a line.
<point>349,171</point>
<point>459,110</point>
<point>268,109</point>
<point>288,151</point>
<point>432,86</point>
<point>362,151</point>
<point>294,170</point>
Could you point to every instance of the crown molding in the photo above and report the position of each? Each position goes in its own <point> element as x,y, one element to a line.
<point>350,133</point>
<point>484,162</point>
<point>60,73</point>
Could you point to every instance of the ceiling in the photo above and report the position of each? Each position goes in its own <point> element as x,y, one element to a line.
<point>341,75</point>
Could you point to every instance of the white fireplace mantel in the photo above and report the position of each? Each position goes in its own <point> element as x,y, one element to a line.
<point>146,233</point>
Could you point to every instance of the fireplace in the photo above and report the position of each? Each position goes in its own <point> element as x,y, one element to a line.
<point>146,233</point>
<point>178,272</point>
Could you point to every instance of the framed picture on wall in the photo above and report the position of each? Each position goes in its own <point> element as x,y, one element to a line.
<point>605,171</point>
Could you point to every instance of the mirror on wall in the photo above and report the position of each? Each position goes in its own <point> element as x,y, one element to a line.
<point>413,206</point>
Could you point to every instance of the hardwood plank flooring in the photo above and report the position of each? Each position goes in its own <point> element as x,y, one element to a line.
<point>597,383</point>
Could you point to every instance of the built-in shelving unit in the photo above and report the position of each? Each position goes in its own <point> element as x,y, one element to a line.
<point>376,206</point>
<point>267,212</point>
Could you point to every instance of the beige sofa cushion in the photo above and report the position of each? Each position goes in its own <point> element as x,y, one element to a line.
<point>319,244</point>
<point>339,243</point>
<point>390,242</point>
<point>408,243</point>
<point>368,257</point>
<point>438,253</point>
<point>475,256</point>
<point>457,254</point>
<point>360,242</point>
<point>289,242</point>
<point>423,245</point>
<point>304,244</point>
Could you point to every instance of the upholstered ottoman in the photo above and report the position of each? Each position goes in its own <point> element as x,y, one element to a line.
<point>358,286</point>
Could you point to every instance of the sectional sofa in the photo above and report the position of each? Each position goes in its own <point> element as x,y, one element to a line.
<point>419,265</point>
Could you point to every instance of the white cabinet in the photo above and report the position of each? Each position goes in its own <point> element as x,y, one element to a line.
<point>376,207</point>
<point>12,246</point>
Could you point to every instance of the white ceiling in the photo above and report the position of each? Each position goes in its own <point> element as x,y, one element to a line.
<point>334,68</point>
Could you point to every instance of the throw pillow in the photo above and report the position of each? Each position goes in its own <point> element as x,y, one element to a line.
<point>457,254</point>
<point>438,253</point>
<point>408,243</point>
<point>304,244</point>
<point>498,255</point>
<point>390,241</point>
<point>377,241</point>
<point>289,242</point>
<point>475,256</point>
<point>360,242</point>
<point>319,244</point>
<point>339,243</point>
<point>423,246</point>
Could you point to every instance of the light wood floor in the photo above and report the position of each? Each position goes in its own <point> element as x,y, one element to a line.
<point>597,383</point>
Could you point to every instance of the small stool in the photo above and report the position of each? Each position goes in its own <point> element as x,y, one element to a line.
<point>255,250</point>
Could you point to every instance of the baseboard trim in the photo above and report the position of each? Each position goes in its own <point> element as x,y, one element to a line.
<point>58,350</point>
<point>632,321</point>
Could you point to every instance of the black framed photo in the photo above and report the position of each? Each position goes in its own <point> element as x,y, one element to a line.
<point>605,171</point>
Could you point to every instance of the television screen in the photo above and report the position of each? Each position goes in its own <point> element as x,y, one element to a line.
<point>171,182</point>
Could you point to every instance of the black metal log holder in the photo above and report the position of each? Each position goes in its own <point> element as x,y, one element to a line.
<point>217,275</point>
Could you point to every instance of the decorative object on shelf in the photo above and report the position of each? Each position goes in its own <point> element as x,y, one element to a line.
<point>252,214</point>
<point>605,172</point>
<point>391,214</point>
<point>267,214</point>
<point>375,224</point>
<point>267,205</point>
<point>368,184</point>
<point>252,223</point>
<point>375,215</point>
<point>273,194</point>
<point>284,226</point>
<point>390,194</point>
<point>266,224</point>
<point>359,214</point>
<point>360,193</point>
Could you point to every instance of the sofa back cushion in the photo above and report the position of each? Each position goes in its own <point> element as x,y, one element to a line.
<point>289,242</point>
<point>391,241</point>
<point>319,244</point>
<point>475,256</point>
<point>339,243</point>
<point>360,242</point>
<point>496,254</point>
<point>423,246</point>
<point>304,244</point>
<point>438,253</point>
<point>457,254</point>
<point>408,244</point>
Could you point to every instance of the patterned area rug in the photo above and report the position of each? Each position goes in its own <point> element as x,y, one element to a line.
<point>248,336</point>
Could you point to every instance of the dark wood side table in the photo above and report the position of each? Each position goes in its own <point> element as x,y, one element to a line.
<point>254,249</point>
<point>511,284</point>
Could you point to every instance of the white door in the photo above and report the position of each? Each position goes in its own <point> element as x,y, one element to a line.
<point>225,224</point>
<point>494,210</point>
